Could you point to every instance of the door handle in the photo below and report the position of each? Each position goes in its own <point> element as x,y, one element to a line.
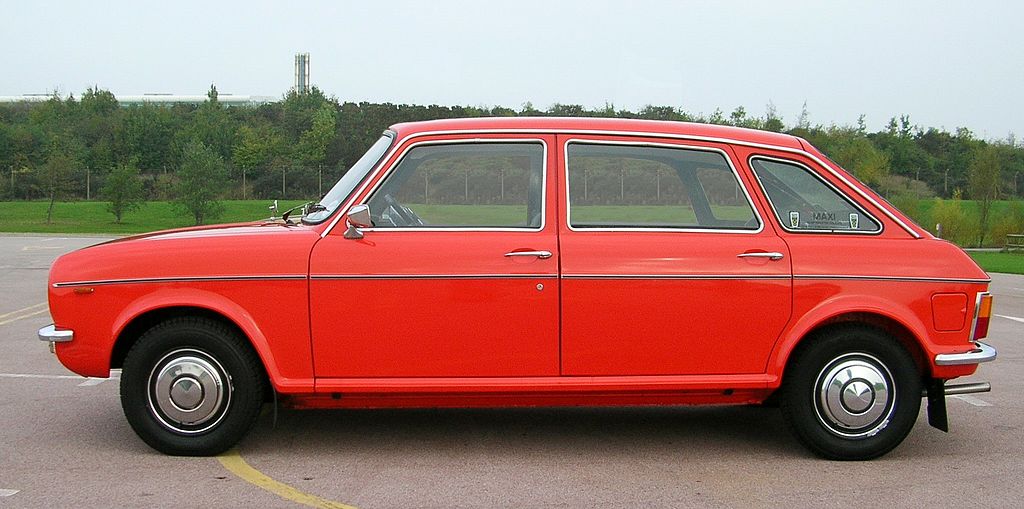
<point>539,254</point>
<point>774,256</point>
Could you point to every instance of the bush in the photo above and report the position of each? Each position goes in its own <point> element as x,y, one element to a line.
<point>1012,221</point>
<point>957,225</point>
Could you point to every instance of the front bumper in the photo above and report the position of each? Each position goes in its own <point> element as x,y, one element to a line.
<point>51,334</point>
<point>981,353</point>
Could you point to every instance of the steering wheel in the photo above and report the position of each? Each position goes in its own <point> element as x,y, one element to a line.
<point>408,216</point>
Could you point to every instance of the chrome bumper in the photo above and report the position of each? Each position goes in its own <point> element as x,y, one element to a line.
<point>982,353</point>
<point>52,335</point>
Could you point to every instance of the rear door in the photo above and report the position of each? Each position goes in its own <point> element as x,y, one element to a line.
<point>667,264</point>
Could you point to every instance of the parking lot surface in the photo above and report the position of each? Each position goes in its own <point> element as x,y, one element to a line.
<point>65,443</point>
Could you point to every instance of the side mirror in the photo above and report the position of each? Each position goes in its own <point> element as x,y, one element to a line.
<point>358,217</point>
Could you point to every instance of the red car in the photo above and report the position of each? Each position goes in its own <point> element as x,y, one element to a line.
<point>541,261</point>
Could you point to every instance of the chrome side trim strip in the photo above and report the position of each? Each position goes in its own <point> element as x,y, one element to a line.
<point>983,353</point>
<point>676,276</point>
<point>910,279</point>
<point>335,277</point>
<point>196,279</point>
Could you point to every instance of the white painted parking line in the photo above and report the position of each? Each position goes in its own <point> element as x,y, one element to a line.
<point>967,398</point>
<point>41,248</point>
<point>114,375</point>
<point>44,377</point>
<point>1014,318</point>
<point>7,493</point>
<point>34,307</point>
<point>30,311</point>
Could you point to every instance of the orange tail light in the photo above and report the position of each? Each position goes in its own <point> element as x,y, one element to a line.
<point>983,316</point>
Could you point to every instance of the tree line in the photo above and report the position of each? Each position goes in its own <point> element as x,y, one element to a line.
<point>90,147</point>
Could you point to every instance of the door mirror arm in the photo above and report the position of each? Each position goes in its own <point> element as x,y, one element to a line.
<point>357,217</point>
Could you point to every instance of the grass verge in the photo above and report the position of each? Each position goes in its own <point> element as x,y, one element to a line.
<point>992,261</point>
<point>92,216</point>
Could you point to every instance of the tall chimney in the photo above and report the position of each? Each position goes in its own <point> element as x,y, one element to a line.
<point>302,73</point>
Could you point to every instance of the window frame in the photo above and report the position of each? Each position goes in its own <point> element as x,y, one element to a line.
<point>368,195</point>
<point>681,229</point>
<point>843,196</point>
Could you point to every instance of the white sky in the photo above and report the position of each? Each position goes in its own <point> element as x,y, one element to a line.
<point>946,64</point>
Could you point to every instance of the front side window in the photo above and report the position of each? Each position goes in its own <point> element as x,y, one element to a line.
<point>639,186</point>
<point>464,185</point>
<point>804,202</point>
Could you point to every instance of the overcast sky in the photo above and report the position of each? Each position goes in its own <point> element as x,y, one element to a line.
<point>945,64</point>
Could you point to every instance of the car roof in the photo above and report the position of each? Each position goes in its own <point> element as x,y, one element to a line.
<point>598,125</point>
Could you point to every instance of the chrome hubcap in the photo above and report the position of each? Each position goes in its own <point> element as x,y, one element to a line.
<point>189,391</point>
<point>855,396</point>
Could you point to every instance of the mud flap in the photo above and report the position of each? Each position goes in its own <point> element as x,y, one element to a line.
<point>937,405</point>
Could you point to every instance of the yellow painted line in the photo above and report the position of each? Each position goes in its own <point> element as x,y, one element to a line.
<point>19,317</point>
<point>22,310</point>
<point>233,461</point>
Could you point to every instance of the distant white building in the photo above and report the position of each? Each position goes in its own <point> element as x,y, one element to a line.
<point>159,99</point>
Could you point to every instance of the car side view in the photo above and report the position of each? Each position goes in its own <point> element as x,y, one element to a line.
<point>503,262</point>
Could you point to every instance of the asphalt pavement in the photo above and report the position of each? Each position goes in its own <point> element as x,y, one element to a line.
<point>65,443</point>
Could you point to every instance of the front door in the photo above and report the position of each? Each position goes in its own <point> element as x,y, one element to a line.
<point>668,267</point>
<point>458,275</point>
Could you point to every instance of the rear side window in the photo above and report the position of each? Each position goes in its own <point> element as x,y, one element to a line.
<point>641,186</point>
<point>804,202</point>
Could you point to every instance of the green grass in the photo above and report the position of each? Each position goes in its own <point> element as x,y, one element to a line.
<point>92,216</point>
<point>1008,263</point>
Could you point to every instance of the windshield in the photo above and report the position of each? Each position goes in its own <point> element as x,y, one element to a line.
<point>350,180</point>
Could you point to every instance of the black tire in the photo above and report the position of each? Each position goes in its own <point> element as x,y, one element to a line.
<point>191,387</point>
<point>851,393</point>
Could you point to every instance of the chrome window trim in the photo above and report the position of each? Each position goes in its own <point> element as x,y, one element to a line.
<point>391,168</point>
<point>180,279</point>
<point>338,277</point>
<point>683,229</point>
<point>906,279</point>
<point>842,195</point>
<point>597,132</point>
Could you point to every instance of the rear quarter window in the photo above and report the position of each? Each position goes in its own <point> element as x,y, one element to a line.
<point>804,202</point>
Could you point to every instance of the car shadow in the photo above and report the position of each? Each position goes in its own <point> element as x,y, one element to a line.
<point>690,431</point>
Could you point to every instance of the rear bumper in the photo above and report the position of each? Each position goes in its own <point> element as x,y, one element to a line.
<point>981,353</point>
<point>51,334</point>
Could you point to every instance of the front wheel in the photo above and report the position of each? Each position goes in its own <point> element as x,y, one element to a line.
<point>191,387</point>
<point>851,394</point>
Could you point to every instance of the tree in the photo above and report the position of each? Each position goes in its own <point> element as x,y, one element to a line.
<point>201,180</point>
<point>983,185</point>
<point>123,189</point>
<point>857,154</point>
<point>56,174</point>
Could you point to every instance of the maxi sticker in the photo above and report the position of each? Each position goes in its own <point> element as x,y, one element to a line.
<point>854,221</point>
<point>794,219</point>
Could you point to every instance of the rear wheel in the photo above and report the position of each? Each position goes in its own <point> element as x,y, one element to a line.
<point>851,394</point>
<point>191,386</point>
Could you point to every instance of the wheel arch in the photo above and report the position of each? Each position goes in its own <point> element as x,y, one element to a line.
<point>904,327</point>
<point>142,315</point>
